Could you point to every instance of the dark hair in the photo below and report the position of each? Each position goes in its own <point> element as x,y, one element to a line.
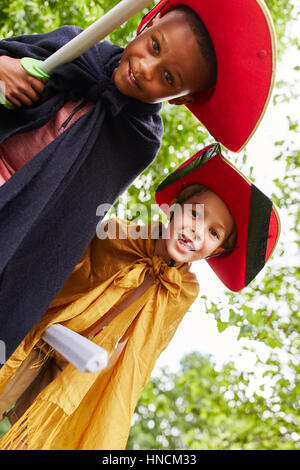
<point>203,39</point>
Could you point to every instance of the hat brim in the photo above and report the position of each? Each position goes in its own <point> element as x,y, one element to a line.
<point>256,218</point>
<point>243,36</point>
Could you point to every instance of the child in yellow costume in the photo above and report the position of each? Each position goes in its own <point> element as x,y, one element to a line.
<point>129,294</point>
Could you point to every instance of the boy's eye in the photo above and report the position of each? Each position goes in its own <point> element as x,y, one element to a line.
<point>155,46</point>
<point>214,233</point>
<point>169,78</point>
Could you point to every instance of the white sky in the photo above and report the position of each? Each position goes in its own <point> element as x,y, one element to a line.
<point>198,331</point>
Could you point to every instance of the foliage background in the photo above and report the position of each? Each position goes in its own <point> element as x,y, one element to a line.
<point>205,405</point>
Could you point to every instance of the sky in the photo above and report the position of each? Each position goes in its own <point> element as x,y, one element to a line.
<point>198,330</point>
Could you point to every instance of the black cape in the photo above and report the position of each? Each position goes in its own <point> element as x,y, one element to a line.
<point>48,207</point>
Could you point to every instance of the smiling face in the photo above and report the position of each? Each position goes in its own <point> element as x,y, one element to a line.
<point>163,62</point>
<point>198,229</point>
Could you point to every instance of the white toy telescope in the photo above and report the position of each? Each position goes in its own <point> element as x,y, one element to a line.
<point>81,43</point>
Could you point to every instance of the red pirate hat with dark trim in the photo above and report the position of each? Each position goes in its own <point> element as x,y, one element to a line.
<point>243,36</point>
<point>256,218</point>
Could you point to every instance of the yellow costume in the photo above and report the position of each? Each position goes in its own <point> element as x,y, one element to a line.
<point>94,411</point>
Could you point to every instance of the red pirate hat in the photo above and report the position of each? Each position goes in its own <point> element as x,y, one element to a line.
<point>257,221</point>
<point>243,36</point>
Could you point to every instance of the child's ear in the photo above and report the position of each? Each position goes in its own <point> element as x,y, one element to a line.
<point>185,99</point>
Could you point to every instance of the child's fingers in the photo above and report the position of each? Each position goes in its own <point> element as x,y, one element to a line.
<point>14,100</point>
<point>31,87</point>
<point>37,85</point>
<point>28,92</point>
<point>32,94</point>
<point>24,97</point>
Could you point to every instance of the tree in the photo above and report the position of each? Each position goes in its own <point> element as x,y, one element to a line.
<point>206,407</point>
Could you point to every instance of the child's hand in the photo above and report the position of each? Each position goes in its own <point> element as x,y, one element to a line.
<point>20,88</point>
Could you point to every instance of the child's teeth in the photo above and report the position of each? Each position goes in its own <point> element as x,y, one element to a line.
<point>189,244</point>
<point>132,76</point>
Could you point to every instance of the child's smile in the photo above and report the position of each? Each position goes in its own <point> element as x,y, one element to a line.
<point>130,77</point>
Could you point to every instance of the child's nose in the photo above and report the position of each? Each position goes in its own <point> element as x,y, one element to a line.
<point>198,231</point>
<point>147,68</point>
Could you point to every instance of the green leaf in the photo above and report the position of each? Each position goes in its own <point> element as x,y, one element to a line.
<point>222,326</point>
